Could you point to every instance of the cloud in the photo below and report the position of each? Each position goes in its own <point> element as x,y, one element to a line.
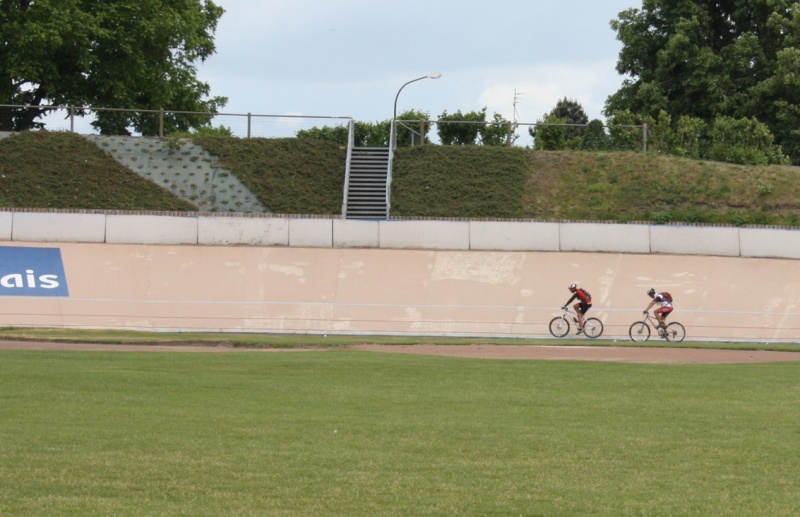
<point>539,87</point>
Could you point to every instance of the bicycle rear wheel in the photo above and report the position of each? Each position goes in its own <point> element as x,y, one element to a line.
<point>559,327</point>
<point>675,332</point>
<point>593,328</point>
<point>639,331</point>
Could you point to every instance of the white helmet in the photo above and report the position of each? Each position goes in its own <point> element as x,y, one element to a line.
<point>572,286</point>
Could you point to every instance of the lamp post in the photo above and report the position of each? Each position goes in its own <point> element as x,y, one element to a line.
<point>433,75</point>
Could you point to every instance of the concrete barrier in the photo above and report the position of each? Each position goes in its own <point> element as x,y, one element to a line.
<point>258,230</point>
<point>763,242</point>
<point>6,224</point>
<point>253,231</point>
<point>58,227</point>
<point>314,233</point>
<point>513,236</point>
<point>433,235</point>
<point>349,233</point>
<point>622,238</point>
<point>695,240</point>
<point>150,229</point>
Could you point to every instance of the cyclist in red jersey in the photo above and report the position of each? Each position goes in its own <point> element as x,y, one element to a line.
<point>584,303</point>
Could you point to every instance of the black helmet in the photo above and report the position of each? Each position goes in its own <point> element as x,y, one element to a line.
<point>651,292</point>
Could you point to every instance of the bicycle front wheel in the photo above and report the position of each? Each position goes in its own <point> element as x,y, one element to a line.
<point>675,332</point>
<point>593,328</point>
<point>639,331</point>
<point>559,327</point>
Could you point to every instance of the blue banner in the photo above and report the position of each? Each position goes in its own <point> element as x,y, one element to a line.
<point>32,272</point>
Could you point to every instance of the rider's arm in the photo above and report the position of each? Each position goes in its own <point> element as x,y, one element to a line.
<point>570,300</point>
<point>651,304</point>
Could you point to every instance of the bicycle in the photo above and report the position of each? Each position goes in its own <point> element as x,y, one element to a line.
<point>640,330</point>
<point>559,326</point>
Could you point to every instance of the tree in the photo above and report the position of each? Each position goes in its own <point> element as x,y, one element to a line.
<point>336,134</point>
<point>121,54</point>
<point>732,58</point>
<point>726,139</point>
<point>745,141</point>
<point>595,138</point>
<point>461,129</point>
<point>550,134</point>
<point>374,134</point>
<point>499,131</point>
<point>412,126</point>
<point>625,131</point>
<point>571,114</point>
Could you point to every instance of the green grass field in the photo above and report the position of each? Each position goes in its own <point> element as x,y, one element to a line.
<point>340,432</point>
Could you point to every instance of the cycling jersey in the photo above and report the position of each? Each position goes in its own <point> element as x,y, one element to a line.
<point>582,296</point>
<point>661,300</point>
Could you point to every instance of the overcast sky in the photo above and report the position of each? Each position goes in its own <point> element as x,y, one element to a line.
<point>350,57</point>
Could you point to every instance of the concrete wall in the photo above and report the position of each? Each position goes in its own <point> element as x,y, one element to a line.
<point>257,230</point>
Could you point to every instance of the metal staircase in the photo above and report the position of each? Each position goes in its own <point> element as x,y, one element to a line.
<point>367,186</point>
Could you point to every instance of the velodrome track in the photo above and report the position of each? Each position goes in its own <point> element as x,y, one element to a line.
<point>365,291</point>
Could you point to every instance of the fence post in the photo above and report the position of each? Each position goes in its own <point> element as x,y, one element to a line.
<point>161,123</point>
<point>71,119</point>
<point>422,132</point>
<point>644,137</point>
<point>249,118</point>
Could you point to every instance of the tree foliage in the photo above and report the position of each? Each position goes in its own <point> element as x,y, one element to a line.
<point>413,127</point>
<point>498,131</point>
<point>735,58</point>
<point>461,128</point>
<point>570,115</point>
<point>120,54</point>
<point>725,139</point>
<point>549,134</point>
<point>374,134</point>
<point>595,138</point>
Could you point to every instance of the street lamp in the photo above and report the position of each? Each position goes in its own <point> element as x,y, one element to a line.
<point>433,75</point>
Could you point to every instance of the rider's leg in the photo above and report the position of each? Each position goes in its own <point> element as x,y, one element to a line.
<point>579,313</point>
<point>664,314</point>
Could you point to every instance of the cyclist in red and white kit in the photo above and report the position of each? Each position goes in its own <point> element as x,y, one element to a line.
<point>583,305</point>
<point>665,307</point>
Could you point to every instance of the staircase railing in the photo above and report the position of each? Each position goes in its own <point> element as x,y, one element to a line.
<point>392,145</point>
<point>350,145</point>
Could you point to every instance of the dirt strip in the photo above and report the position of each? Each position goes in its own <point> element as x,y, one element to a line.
<point>628,354</point>
<point>619,354</point>
<point>99,347</point>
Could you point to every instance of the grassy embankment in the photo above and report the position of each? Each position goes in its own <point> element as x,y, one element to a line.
<point>60,170</point>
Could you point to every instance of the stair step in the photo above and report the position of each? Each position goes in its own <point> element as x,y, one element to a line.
<point>366,192</point>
